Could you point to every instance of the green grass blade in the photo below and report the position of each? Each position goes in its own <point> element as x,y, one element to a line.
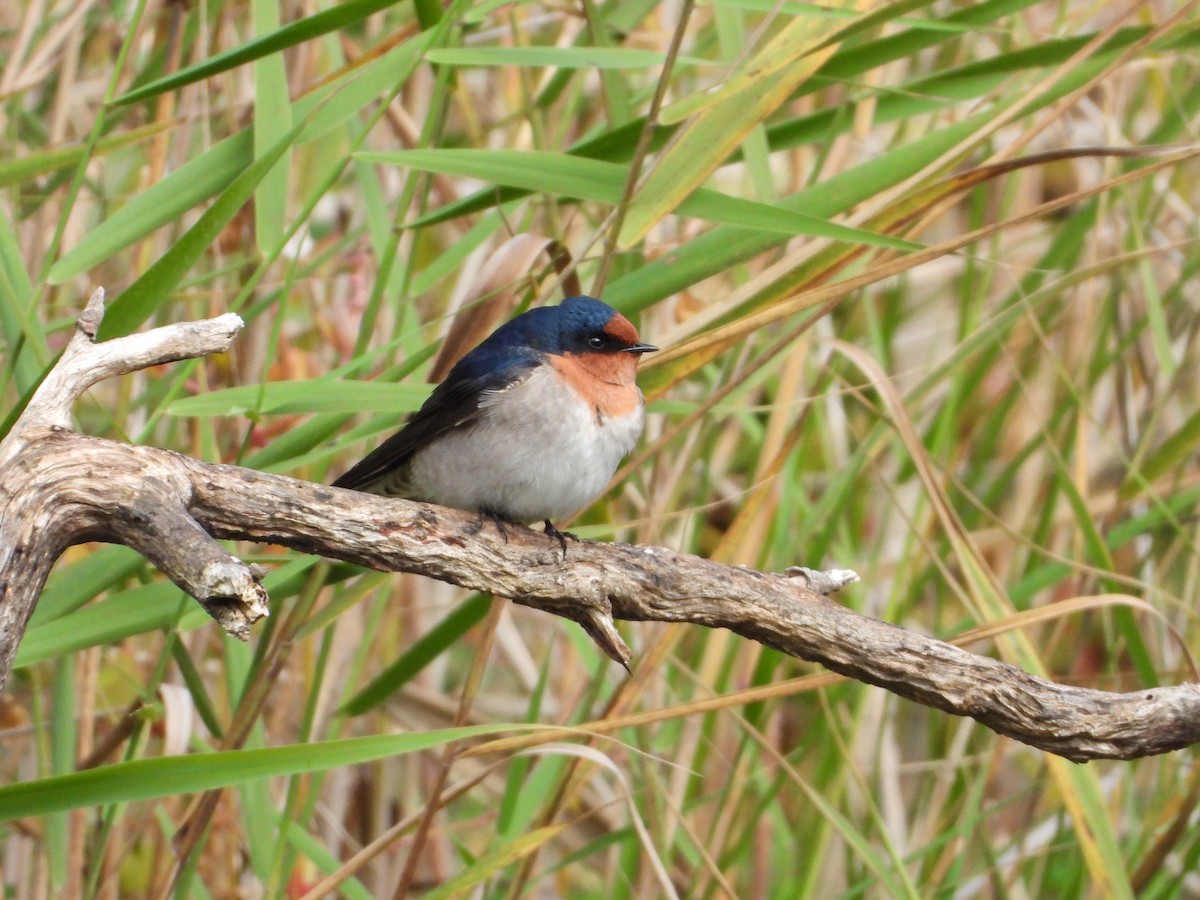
<point>496,861</point>
<point>893,13</point>
<point>148,607</point>
<point>24,169</point>
<point>423,651</point>
<point>924,94</point>
<point>72,585</point>
<point>766,81</point>
<point>340,15</point>
<point>325,861</point>
<point>26,352</point>
<point>315,395</point>
<point>154,287</point>
<point>272,121</point>
<point>786,61</point>
<point>726,246</point>
<point>64,732</point>
<point>192,183</point>
<point>557,57</point>
<point>143,779</point>
<point>211,172</point>
<point>588,179</point>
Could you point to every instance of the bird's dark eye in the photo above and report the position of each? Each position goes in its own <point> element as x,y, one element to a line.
<point>596,343</point>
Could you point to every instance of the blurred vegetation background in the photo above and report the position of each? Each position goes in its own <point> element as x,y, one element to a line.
<point>920,318</point>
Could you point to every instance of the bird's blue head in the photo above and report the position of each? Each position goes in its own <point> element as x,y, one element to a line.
<point>578,325</point>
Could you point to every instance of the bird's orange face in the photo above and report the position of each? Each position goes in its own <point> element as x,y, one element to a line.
<point>621,329</point>
<point>605,378</point>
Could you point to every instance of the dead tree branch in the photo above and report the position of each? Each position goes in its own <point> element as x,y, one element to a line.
<point>59,488</point>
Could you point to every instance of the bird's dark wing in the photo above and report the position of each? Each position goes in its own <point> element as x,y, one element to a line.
<point>455,403</point>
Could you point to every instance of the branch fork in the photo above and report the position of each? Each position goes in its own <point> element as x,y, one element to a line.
<point>58,488</point>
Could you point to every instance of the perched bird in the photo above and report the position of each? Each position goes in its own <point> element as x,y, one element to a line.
<point>528,426</point>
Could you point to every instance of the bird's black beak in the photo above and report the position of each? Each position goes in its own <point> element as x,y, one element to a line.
<point>640,348</point>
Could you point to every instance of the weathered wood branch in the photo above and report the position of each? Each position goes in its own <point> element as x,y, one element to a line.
<point>59,488</point>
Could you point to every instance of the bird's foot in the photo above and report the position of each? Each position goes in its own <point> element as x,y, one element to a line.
<point>561,536</point>
<point>498,520</point>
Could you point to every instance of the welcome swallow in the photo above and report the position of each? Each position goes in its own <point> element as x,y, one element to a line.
<point>528,426</point>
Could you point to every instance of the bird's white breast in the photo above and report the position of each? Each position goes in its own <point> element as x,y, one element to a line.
<point>538,452</point>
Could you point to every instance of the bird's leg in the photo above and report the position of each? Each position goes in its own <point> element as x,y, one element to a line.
<point>562,536</point>
<point>496,519</point>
